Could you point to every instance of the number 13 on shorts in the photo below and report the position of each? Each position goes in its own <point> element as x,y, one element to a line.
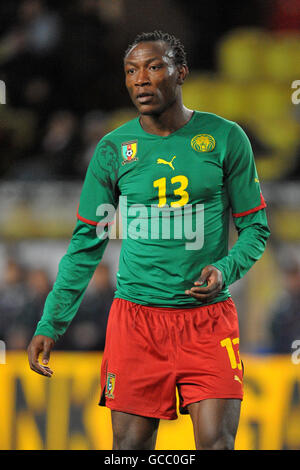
<point>234,356</point>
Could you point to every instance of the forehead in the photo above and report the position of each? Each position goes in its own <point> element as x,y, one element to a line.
<point>150,49</point>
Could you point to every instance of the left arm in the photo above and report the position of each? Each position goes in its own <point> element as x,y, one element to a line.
<point>249,215</point>
<point>253,233</point>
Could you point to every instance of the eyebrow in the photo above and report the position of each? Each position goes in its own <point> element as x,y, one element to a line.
<point>146,62</point>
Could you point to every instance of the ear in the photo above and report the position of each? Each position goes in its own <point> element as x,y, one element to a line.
<point>183,72</point>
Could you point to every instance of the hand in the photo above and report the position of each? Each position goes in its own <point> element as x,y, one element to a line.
<point>37,345</point>
<point>214,280</point>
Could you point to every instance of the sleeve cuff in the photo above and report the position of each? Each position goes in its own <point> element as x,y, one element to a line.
<point>255,209</point>
<point>46,330</point>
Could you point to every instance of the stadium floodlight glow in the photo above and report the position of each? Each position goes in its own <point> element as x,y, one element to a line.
<point>2,92</point>
<point>2,352</point>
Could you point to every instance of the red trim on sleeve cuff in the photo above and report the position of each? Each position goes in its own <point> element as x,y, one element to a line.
<point>255,209</point>
<point>91,222</point>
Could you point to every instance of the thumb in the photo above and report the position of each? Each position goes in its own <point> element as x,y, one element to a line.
<point>203,276</point>
<point>46,353</point>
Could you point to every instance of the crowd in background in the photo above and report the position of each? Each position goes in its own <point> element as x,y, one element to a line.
<point>62,64</point>
<point>23,292</point>
<point>54,61</point>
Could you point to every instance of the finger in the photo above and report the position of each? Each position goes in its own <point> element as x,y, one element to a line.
<point>203,296</point>
<point>206,273</point>
<point>206,289</point>
<point>209,276</point>
<point>201,281</point>
<point>42,369</point>
<point>33,355</point>
<point>46,371</point>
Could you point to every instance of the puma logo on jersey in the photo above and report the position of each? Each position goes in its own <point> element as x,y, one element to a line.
<point>161,160</point>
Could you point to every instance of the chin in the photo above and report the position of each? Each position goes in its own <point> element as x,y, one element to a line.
<point>144,111</point>
<point>147,112</point>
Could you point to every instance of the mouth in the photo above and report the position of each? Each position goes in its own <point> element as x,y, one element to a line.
<point>144,98</point>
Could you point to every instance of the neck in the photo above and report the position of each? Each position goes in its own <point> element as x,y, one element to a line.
<point>169,121</point>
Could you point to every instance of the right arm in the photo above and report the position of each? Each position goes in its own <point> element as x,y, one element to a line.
<point>76,269</point>
<point>84,254</point>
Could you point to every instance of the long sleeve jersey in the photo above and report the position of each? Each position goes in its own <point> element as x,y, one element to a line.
<point>176,196</point>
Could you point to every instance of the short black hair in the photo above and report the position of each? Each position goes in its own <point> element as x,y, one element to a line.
<point>174,43</point>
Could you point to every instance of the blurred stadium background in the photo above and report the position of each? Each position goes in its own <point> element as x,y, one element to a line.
<point>61,62</point>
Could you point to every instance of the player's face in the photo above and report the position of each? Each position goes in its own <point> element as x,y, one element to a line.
<point>152,78</point>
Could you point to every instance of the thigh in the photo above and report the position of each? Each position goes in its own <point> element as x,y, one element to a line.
<point>137,373</point>
<point>132,432</point>
<point>215,422</point>
<point>209,365</point>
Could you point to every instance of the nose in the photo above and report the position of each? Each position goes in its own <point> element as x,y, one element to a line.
<point>142,78</point>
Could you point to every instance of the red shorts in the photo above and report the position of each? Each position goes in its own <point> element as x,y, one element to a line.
<point>150,351</point>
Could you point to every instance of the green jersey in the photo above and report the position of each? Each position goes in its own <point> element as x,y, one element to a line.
<point>176,194</point>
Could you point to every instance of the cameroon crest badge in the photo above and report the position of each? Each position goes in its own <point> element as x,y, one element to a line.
<point>129,151</point>
<point>110,385</point>
<point>203,143</point>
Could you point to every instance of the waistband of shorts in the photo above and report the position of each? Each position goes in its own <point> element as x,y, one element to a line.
<point>174,310</point>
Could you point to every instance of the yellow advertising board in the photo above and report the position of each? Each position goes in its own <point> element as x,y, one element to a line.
<point>62,412</point>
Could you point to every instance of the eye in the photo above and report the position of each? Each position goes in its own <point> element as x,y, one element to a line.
<point>155,67</point>
<point>130,71</point>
